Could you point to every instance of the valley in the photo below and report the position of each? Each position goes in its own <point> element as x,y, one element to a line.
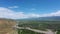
<point>9,26</point>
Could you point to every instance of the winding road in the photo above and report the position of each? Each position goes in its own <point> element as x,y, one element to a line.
<point>35,30</point>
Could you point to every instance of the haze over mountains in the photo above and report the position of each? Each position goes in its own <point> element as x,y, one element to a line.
<point>52,18</point>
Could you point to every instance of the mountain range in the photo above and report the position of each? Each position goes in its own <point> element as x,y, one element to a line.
<point>44,18</point>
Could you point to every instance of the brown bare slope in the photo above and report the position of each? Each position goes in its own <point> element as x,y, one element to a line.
<point>6,25</point>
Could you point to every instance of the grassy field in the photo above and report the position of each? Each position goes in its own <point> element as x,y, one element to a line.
<point>24,31</point>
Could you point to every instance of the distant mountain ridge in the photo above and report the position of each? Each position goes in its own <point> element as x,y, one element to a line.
<point>49,18</point>
<point>44,18</point>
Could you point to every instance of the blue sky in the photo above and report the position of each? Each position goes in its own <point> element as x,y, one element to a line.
<point>40,6</point>
<point>35,7</point>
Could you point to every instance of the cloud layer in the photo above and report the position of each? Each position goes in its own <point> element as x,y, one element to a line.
<point>13,7</point>
<point>7,13</point>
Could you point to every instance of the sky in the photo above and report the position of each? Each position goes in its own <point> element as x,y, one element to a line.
<point>20,9</point>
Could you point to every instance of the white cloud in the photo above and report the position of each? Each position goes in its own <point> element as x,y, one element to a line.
<point>57,13</point>
<point>33,15</point>
<point>7,13</point>
<point>13,7</point>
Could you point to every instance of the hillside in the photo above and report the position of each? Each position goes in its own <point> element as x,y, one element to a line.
<point>6,25</point>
